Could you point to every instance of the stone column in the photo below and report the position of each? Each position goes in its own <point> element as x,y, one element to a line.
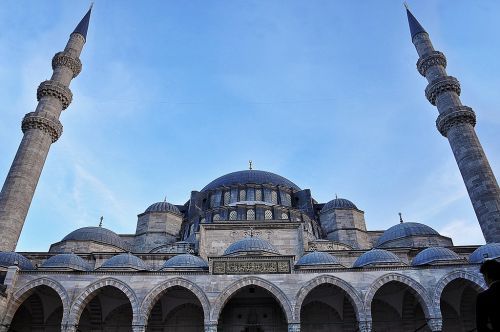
<point>456,122</point>
<point>138,328</point>
<point>211,327</point>
<point>41,128</point>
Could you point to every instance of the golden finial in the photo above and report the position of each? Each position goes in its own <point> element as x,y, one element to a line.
<point>250,164</point>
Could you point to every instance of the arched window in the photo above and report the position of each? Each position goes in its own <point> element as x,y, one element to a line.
<point>216,217</point>
<point>284,216</point>
<point>243,195</point>
<point>227,198</point>
<point>258,194</point>
<point>250,215</point>
<point>274,197</point>
<point>268,215</point>
<point>212,200</point>
<point>233,215</point>
<point>286,199</point>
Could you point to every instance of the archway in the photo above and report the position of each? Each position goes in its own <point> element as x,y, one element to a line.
<point>40,311</point>
<point>252,309</point>
<point>176,309</point>
<point>108,309</point>
<point>396,307</point>
<point>328,308</point>
<point>458,305</point>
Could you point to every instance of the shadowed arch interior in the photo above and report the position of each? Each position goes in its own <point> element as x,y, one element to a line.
<point>41,311</point>
<point>458,303</point>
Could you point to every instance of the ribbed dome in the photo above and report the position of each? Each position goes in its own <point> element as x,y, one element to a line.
<point>68,261</point>
<point>97,234</point>
<point>339,203</point>
<point>251,245</point>
<point>403,230</point>
<point>10,258</point>
<point>126,260</point>
<point>185,261</point>
<point>162,207</point>
<point>318,258</point>
<point>377,257</point>
<point>487,251</point>
<point>250,176</point>
<point>433,255</point>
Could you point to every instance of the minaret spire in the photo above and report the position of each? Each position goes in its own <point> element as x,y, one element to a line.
<point>456,122</point>
<point>41,128</point>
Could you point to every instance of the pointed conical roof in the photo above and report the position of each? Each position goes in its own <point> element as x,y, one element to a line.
<point>415,27</point>
<point>83,26</point>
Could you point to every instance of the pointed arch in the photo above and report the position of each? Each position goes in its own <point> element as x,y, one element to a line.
<point>85,297</point>
<point>154,295</point>
<point>28,289</point>
<point>229,291</point>
<point>351,293</point>
<point>477,282</point>
<point>417,289</point>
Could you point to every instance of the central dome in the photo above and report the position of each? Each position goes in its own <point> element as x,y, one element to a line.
<point>250,176</point>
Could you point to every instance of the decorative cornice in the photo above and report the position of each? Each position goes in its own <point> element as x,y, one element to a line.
<point>440,85</point>
<point>429,60</point>
<point>455,116</point>
<point>55,89</point>
<point>50,126</point>
<point>64,59</point>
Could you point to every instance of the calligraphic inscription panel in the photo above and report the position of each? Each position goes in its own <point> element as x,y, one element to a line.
<point>251,267</point>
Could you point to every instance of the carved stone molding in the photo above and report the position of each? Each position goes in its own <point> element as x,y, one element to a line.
<point>455,116</point>
<point>440,85</point>
<point>435,324</point>
<point>50,126</point>
<point>365,326</point>
<point>429,60</point>
<point>64,59</point>
<point>55,89</point>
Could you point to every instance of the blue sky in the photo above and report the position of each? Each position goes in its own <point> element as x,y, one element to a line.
<point>174,94</point>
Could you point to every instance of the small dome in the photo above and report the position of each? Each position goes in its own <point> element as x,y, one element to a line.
<point>162,207</point>
<point>377,257</point>
<point>487,251</point>
<point>97,234</point>
<point>435,254</point>
<point>185,261</point>
<point>10,258</point>
<point>405,229</point>
<point>318,258</point>
<point>126,260</point>
<point>250,176</point>
<point>68,261</point>
<point>253,245</point>
<point>339,203</point>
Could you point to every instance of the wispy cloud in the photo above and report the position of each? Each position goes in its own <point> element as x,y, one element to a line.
<point>463,232</point>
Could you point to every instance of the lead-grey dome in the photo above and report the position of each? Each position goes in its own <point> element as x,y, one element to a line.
<point>377,257</point>
<point>163,207</point>
<point>250,176</point>
<point>125,261</point>
<point>405,229</point>
<point>487,251</point>
<point>97,234</point>
<point>318,258</point>
<point>434,255</point>
<point>67,261</point>
<point>339,203</point>
<point>185,261</point>
<point>10,258</point>
<point>251,245</point>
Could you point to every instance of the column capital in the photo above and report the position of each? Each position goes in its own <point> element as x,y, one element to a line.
<point>211,327</point>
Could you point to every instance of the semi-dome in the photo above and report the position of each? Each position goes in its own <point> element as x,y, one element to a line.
<point>405,229</point>
<point>251,245</point>
<point>318,258</point>
<point>377,257</point>
<point>67,261</point>
<point>10,258</point>
<point>487,251</point>
<point>162,207</point>
<point>339,203</point>
<point>185,261</point>
<point>434,255</point>
<point>97,234</point>
<point>250,176</point>
<point>124,261</point>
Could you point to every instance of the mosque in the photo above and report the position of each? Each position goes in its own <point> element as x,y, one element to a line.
<point>251,251</point>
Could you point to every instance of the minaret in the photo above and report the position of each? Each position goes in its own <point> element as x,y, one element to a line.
<point>41,128</point>
<point>456,122</point>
